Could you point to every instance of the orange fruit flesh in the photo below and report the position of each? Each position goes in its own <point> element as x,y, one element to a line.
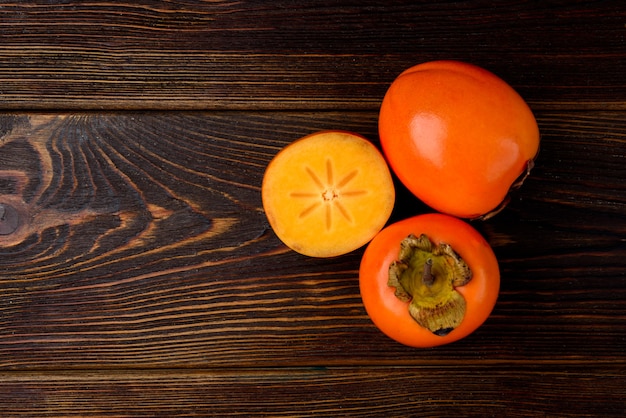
<point>328,193</point>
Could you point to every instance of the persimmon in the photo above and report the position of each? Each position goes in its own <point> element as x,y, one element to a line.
<point>429,280</point>
<point>457,136</point>
<point>328,193</point>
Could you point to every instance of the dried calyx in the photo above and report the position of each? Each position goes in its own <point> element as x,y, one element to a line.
<point>530,164</point>
<point>426,275</point>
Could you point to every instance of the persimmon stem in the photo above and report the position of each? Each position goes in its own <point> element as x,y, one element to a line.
<point>427,277</point>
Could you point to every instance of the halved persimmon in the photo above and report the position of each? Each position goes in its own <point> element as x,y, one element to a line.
<point>328,193</point>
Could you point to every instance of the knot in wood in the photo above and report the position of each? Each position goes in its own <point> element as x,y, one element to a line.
<point>9,219</point>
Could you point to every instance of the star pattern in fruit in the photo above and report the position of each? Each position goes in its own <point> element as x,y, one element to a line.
<point>327,194</point>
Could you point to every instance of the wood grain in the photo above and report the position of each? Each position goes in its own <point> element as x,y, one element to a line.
<point>401,392</point>
<point>145,245</point>
<point>144,280</point>
<point>289,55</point>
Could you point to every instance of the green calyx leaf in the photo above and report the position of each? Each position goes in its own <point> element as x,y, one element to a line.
<point>426,275</point>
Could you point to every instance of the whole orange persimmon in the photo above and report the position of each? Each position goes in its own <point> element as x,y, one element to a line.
<point>429,280</point>
<point>457,136</point>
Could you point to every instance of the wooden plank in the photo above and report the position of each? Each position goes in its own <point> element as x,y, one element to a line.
<point>283,55</point>
<point>480,391</point>
<point>142,244</point>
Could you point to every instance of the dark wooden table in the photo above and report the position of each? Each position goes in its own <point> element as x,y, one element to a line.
<point>143,278</point>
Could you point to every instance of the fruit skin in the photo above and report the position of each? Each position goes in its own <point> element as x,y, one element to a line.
<point>391,315</point>
<point>457,136</point>
<point>328,193</point>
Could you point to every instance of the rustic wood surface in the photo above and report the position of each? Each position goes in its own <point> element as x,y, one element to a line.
<point>139,276</point>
